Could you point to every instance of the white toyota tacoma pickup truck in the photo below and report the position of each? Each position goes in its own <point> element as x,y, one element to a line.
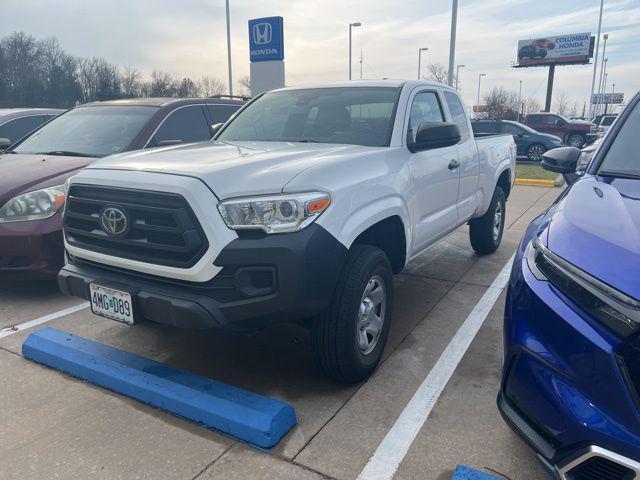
<point>302,208</point>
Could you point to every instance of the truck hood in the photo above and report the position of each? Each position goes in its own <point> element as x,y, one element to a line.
<point>22,172</point>
<point>232,170</point>
<point>596,226</point>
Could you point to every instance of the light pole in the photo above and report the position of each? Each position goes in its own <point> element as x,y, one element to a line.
<point>229,51</point>
<point>458,74</point>
<point>351,25</point>
<point>420,50</point>
<point>520,101</point>
<point>601,89</point>
<point>602,64</point>
<point>595,61</point>
<point>452,41</point>
<point>479,80</point>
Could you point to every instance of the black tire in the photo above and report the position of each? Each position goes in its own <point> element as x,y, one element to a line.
<point>535,151</point>
<point>482,231</point>
<point>576,140</point>
<point>335,334</point>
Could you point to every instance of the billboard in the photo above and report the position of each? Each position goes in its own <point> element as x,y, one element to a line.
<point>602,98</point>
<point>266,39</point>
<point>559,50</point>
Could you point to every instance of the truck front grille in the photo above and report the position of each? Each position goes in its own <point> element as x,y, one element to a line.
<point>160,228</point>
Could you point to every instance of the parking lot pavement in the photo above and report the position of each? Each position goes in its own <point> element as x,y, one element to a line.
<point>63,427</point>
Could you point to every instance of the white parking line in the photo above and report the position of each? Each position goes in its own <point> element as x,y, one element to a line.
<point>5,332</point>
<point>395,445</point>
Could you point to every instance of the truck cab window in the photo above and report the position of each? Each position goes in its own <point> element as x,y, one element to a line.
<point>425,108</point>
<point>458,115</point>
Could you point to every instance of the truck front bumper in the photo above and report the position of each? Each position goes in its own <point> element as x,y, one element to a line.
<point>264,279</point>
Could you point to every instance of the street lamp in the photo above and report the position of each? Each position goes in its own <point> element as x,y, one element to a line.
<point>420,50</point>
<point>479,80</point>
<point>520,101</point>
<point>229,51</point>
<point>452,41</point>
<point>458,74</point>
<point>595,60</point>
<point>351,25</point>
<point>603,63</point>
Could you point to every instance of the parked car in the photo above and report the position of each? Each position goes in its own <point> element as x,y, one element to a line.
<point>571,376</point>
<point>532,51</point>
<point>604,124</point>
<point>15,123</point>
<point>302,209</point>
<point>35,168</point>
<point>529,143</point>
<point>574,133</point>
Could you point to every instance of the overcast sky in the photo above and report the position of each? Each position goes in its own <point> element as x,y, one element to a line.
<point>187,37</point>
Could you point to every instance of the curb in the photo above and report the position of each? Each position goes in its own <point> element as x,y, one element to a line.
<point>252,418</point>
<point>535,182</point>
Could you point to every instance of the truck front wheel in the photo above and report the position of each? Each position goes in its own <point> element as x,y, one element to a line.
<point>349,338</point>
<point>485,232</point>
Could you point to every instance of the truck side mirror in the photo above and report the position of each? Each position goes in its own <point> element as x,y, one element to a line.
<point>4,144</point>
<point>435,135</point>
<point>562,160</point>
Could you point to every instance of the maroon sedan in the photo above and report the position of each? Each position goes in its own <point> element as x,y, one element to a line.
<point>35,169</point>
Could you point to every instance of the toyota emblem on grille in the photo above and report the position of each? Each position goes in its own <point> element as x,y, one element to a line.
<point>114,221</point>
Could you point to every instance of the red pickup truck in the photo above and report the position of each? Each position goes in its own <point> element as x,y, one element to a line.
<point>573,132</point>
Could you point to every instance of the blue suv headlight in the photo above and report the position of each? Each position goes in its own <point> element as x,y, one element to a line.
<point>615,309</point>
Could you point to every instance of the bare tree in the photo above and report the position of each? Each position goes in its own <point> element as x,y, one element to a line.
<point>437,72</point>
<point>209,86</point>
<point>162,84</point>
<point>132,84</point>
<point>562,103</point>
<point>502,103</point>
<point>531,105</point>
<point>245,86</point>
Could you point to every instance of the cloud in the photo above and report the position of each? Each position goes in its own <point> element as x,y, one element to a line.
<point>189,37</point>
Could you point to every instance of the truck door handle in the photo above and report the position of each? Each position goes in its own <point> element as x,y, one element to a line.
<point>453,164</point>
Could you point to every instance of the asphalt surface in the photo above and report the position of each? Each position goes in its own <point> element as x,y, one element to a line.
<point>53,426</point>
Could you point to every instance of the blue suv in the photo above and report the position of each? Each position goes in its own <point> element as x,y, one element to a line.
<point>571,375</point>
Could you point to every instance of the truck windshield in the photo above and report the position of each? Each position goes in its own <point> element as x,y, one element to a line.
<point>344,115</point>
<point>622,159</point>
<point>95,131</point>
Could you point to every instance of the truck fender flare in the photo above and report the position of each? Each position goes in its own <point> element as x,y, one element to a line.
<point>368,215</point>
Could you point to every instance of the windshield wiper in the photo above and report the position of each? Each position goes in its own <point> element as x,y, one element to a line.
<point>67,153</point>
<point>304,140</point>
<point>611,173</point>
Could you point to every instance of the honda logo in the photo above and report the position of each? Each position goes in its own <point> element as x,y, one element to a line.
<point>262,33</point>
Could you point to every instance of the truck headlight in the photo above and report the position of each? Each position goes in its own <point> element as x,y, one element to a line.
<point>33,205</point>
<point>613,308</point>
<point>274,214</point>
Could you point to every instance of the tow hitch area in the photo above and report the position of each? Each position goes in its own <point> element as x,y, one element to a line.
<point>466,473</point>
<point>252,418</point>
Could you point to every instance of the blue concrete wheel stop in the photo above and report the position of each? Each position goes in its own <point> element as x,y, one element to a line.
<point>466,473</point>
<point>251,418</point>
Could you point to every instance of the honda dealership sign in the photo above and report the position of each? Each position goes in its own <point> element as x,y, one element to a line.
<point>606,98</point>
<point>266,52</point>
<point>559,50</point>
<point>266,39</point>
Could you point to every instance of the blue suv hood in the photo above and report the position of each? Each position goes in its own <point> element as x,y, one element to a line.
<point>596,226</point>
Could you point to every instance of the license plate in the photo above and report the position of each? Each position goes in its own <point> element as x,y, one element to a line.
<point>110,303</point>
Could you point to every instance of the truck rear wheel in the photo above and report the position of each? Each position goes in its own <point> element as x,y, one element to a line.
<point>349,338</point>
<point>575,140</point>
<point>485,232</point>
